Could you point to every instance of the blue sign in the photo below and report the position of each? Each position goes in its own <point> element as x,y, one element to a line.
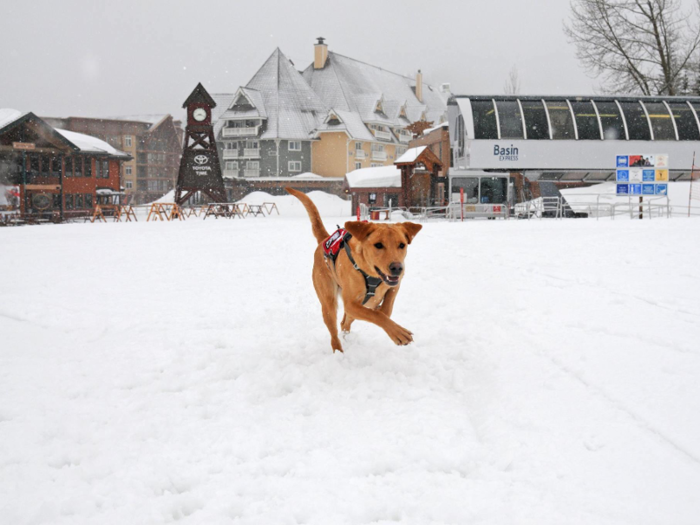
<point>648,189</point>
<point>649,175</point>
<point>623,161</point>
<point>662,189</point>
<point>635,189</point>
<point>623,189</point>
<point>623,175</point>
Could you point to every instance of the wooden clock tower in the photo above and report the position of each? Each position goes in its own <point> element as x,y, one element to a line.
<point>200,169</point>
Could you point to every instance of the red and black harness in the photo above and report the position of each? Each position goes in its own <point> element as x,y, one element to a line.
<point>331,249</point>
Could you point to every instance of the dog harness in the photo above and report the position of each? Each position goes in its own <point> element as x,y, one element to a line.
<point>331,249</point>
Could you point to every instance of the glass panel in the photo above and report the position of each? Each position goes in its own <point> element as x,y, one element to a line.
<point>494,190</point>
<point>561,120</point>
<point>611,119</point>
<point>56,166</point>
<point>88,167</point>
<point>471,189</point>
<point>586,120</point>
<point>637,123</point>
<point>78,167</point>
<point>685,121</point>
<point>510,119</point>
<point>661,121</point>
<point>88,200</point>
<point>45,165</point>
<point>69,166</point>
<point>535,119</point>
<point>484,119</point>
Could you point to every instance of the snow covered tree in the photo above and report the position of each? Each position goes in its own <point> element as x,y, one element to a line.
<point>637,46</point>
<point>512,85</point>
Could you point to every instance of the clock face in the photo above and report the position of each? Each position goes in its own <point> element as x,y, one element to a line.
<point>199,114</point>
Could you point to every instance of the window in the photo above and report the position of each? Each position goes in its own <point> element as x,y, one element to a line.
<point>372,198</point>
<point>510,119</point>
<point>637,123</point>
<point>127,171</point>
<point>231,145</point>
<point>105,169</point>
<point>252,165</point>
<point>231,165</point>
<point>358,165</point>
<point>88,200</point>
<point>129,184</point>
<point>127,141</point>
<point>33,165</point>
<point>78,169</point>
<point>358,146</point>
<point>485,126</point>
<point>685,121</point>
<point>78,200</point>
<point>294,145</point>
<point>661,121</point>
<point>378,148</point>
<point>561,120</point>
<point>586,120</point>
<point>69,201</point>
<point>252,144</point>
<point>56,166</point>
<point>494,190</point>
<point>88,167</point>
<point>611,120</point>
<point>45,166</point>
<point>69,167</point>
<point>535,119</point>
<point>470,185</point>
<point>400,151</point>
<point>294,166</point>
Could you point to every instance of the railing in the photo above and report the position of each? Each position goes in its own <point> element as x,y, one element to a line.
<point>251,153</point>
<point>364,212</point>
<point>239,132</point>
<point>251,173</point>
<point>384,135</point>
<point>458,211</point>
<point>405,138</point>
<point>231,174</point>
<point>230,153</point>
<point>360,154</point>
<point>379,155</point>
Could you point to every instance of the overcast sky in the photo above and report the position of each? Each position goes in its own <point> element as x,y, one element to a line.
<point>94,58</point>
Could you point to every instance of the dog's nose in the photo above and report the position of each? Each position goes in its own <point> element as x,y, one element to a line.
<point>396,268</point>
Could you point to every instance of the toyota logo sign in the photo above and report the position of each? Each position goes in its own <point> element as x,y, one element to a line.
<point>201,159</point>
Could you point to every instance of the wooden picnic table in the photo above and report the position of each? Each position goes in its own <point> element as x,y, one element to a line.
<point>255,209</point>
<point>227,210</point>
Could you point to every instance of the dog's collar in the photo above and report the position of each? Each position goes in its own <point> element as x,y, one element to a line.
<point>371,283</point>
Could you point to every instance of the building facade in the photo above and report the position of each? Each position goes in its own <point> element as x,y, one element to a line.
<point>336,116</point>
<point>57,173</point>
<point>153,141</point>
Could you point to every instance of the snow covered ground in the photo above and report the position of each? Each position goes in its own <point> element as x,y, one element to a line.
<point>181,372</point>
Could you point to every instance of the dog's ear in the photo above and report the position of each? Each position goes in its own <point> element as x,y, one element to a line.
<point>359,230</point>
<point>411,229</point>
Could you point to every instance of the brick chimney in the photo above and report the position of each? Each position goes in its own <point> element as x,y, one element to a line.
<point>320,53</point>
<point>419,86</point>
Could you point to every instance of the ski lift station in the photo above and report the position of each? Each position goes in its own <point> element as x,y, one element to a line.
<point>562,141</point>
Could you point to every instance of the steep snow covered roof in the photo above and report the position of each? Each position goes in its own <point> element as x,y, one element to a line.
<point>411,154</point>
<point>88,144</point>
<point>279,93</point>
<point>381,177</point>
<point>346,121</point>
<point>350,85</point>
<point>9,115</point>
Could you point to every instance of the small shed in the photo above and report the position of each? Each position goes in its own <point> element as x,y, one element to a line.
<point>421,183</point>
<point>378,187</point>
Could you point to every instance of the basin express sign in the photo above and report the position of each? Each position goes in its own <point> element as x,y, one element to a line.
<point>505,153</point>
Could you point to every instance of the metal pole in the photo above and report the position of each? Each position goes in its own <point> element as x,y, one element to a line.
<point>690,191</point>
<point>641,207</point>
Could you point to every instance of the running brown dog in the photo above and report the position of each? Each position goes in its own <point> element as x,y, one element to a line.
<point>366,267</point>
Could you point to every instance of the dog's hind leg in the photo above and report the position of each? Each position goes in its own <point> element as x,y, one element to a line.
<point>327,292</point>
<point>346,323</point>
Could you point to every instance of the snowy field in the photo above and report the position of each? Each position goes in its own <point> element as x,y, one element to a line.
<point>181,372</point>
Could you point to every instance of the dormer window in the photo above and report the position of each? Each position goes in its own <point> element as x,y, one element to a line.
<point>333,120</point>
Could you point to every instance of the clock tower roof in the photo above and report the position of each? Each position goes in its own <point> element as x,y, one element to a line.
<point>200,95</point>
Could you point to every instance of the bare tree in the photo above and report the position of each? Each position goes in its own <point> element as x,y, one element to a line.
<point>512,85</point>
<point>637,46</point>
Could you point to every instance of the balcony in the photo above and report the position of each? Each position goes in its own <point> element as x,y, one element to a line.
<point>379,155</point>
<point>360,154</point>
<point>230,174</point>
<point>384,135</point>
<point>251,153</point>
<point>240,132</point>
<point>405,138</point>
<point>230,153</point>
<point>251,173</point>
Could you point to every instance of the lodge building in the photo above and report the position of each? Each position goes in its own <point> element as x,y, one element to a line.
<point>58,174</point>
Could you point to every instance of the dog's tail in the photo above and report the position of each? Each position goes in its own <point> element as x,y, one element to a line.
<point>316,224</point>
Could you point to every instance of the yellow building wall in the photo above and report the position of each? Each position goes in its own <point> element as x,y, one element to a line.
<point>329,155</point>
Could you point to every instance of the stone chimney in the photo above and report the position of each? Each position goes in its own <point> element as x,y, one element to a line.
<point>419,86</point>
<point>320,53</point>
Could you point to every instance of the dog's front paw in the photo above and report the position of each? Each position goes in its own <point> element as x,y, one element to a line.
<point>335,344</point>
<point>399,334</point>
